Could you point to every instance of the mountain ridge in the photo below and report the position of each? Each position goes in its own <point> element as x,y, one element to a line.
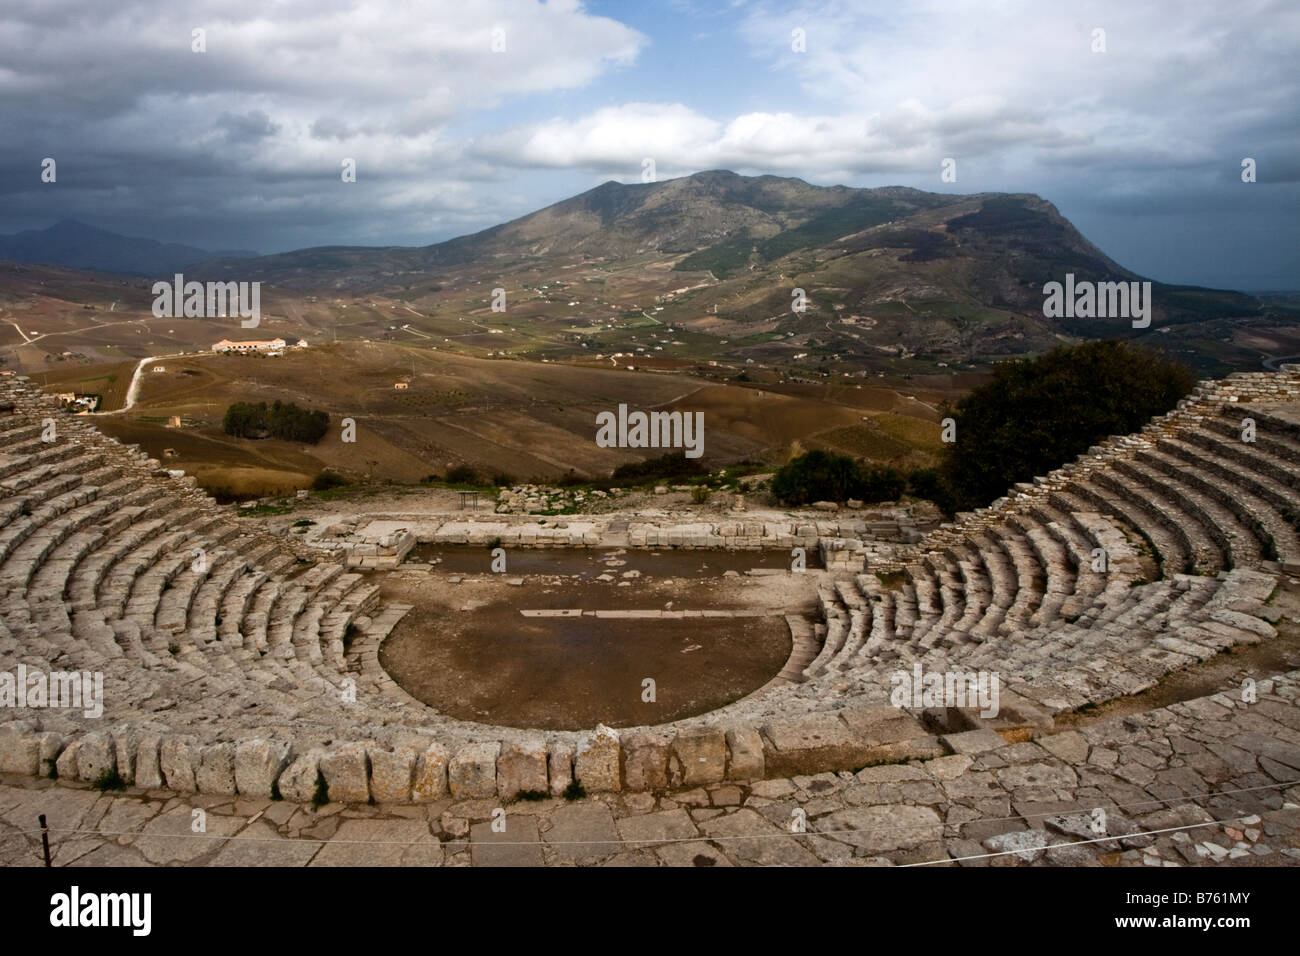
<point>889,273</point>
<point>78,245</point>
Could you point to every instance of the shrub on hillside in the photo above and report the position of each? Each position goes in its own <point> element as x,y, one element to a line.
<point>1038,414</point>
<point>667,467</point>
<point>327,480</point>
<point>461,475</point>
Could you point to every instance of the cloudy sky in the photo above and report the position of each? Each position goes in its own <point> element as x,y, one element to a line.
<point>241,146</point>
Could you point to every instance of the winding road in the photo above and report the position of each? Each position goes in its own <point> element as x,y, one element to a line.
<point>133,390</point>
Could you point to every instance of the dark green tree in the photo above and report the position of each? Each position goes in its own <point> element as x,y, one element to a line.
<point>816,476</point>
<point>1038,414</point>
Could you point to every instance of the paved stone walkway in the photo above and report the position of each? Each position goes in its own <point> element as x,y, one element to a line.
<point>1217,776</point>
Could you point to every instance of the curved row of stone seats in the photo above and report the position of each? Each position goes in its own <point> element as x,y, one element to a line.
<point>1060,565</point>
<point>40,502</point>
<point>836,623</point>
<point>290,602</point>
<point>211,586</point>
<point>1172,544</point>
<point>927,588</point>
<point>804,648</point>
<point>1258,499</point>
<point>1233,545</point>
<point>1207,545</point>
<point>1027,579</point>
<point>859,621</point>
<point>100,489</point>
<point>134,587</point>
<point>968,565</point>
<point>67,516</point>
<point>335,621</point>
<point>881,643</point>
<point>215,568</point>
<point>988,555</point>
<point>114,583</point>
<point>130,572</point>
<point>905,611</point>
<point>1272,455</point>
<point>1270,536</point>
<point>1276,444</point>
<point>305,629</point>
<point>1170,486</point>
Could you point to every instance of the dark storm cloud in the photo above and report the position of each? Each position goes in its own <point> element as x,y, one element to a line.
<point>242,145</point>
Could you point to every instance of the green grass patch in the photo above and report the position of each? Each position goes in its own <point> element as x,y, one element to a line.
<point>264,511</point>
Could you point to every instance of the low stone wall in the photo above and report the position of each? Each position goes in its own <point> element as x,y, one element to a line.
<point>581,531</point>
<point>422,769</point>
<point>842,555</point>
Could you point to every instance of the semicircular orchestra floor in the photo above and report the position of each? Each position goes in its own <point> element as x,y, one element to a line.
<point>490,647</point>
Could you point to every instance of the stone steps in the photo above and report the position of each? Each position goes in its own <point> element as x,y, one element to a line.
<point>1260,500</point>
<point>804,649</point>
<point>1237,542</point>
<point>1205,546</point>
<point>1169,538</point>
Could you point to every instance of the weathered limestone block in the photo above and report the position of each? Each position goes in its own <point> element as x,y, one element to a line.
<point>258,764</point>
<point>347,774</point>
<point>473,771</point>
<point>521,767</point>
<point>392,773</point>
<point>878,725</point>
<point>744,754</point>
<point>51,746</point>
<point>125,744</point>
<point>430,774</point>
<point>179,757</point>
<point>645,760</point>
<point>95,757</point>
<point>596,761</point>
<point>20,750</point>
<point>148,763</point>
<point>810,745</point>
<point>66,765</point>
<point>701,756</point>
<point>971,742</point>
<point>560,764</point>
<point>298,781</point>
<point>216,770</point>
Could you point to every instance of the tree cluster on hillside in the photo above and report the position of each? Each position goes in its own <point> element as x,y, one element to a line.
<point>283,420</point>
<point>825,476</point>
<point>1040,413</point>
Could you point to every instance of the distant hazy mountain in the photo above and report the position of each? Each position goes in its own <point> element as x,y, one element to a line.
<point>79,246</point>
